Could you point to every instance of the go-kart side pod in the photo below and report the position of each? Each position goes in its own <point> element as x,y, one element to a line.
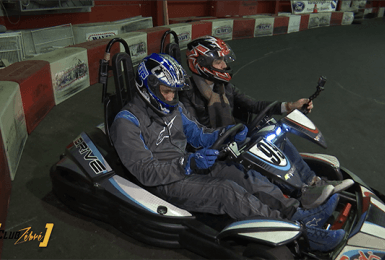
<point>367,239</point>
<point>83,181</point>
<point>299,124</point>
<point>263,230</point>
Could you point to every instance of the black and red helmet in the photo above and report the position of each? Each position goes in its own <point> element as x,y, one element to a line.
<point>201,53</point>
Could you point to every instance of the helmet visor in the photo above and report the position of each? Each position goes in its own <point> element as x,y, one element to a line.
<point>225,52</point>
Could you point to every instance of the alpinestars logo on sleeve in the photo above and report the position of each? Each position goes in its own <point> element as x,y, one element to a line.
<point>163,134</point>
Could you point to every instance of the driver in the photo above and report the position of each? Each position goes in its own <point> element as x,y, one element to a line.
<point>212,99</point>
<point>150,135</point>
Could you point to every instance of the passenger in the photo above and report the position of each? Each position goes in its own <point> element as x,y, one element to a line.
<point>150,135</point>
<point>212,99</point>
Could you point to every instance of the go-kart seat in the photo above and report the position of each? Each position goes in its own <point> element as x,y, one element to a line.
<point>124,78</point>
<point>111,109</point>
<point>171,49</point>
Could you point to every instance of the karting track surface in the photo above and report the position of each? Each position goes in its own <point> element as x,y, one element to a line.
<point>286,67</point>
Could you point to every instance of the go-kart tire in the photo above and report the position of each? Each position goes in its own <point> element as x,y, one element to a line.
<point>262,252</point>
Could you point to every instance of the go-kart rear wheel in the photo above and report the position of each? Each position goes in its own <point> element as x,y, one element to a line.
<point>262,252</point>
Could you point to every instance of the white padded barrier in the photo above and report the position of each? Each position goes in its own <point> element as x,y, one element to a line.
<point>12,124</point>
<point>381,11</point>
<point>137,43</point>
<point>133,24</point>
<point>69,71</point>
<point>222,28</point>
<point>345,5</point>
<point>358,4</point>
<point>264,25</point>
<point>184,32</point>
<point>368,11</point>
<point>94,31</point>
<point>319,20</point>
<point>307,7</point>
<point>347,18</point>
<point>294,22</point>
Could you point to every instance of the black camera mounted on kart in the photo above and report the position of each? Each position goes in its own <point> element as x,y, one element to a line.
<point>320,87</point>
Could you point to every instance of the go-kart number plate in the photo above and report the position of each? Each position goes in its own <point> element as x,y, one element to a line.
<point>269,153</point>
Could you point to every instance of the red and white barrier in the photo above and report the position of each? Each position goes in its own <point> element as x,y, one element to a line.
<point>35,83</point>
<point>200,28</point>
<point>69,71</point>
<point>154,36</point>
<point>137,43</point>
<point>222,28</point>
<point>347,18</point>
<point>319,20</point>
<point>281,25</point>
<point>12,124</point>
<point>183,31</point>
<point>243,28</point>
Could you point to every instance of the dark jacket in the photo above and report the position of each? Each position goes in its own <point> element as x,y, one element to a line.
<point>153,147</point>
<point>196,104</point>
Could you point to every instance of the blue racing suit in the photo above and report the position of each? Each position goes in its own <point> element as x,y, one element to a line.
<point>153,148</point>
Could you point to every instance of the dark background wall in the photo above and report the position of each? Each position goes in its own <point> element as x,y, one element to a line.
<point>105,11</point>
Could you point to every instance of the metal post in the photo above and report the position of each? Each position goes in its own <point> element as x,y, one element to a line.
<point>165,13</point>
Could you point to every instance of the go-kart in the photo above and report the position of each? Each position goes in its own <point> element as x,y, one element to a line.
<point>90,179</point>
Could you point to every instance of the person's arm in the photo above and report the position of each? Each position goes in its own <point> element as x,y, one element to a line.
<point>186,97</point>
<point>138,158</point>
<point>198,135</point>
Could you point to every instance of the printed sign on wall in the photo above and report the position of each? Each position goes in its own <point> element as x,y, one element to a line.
<point>222,28</point>
<point>318,20</point>
<point>345,5</point>
<point>100,35</point>
<point>303,7</point>
<point>184,32</point>
<point>347,18</point>
<point>358,4</point>
<point>12,124</point>
<point>137,43</point>
<point>294,23</point>
<point>69,71</point>
<point>264,26</point>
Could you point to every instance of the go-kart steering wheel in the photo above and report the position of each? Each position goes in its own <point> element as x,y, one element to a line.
<point>260,116</point>
<point>229,132</point>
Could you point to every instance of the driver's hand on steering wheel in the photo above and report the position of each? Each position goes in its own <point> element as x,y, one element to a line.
<point>290,106</point>
<point>241,135</point>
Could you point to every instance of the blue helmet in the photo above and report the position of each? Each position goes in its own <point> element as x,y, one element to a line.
<point>160,69</point>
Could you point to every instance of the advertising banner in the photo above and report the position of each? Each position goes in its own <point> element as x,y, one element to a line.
<point>357,4</point>
<point>303,7</point>
<point>348,18</point>
<point>222,28</point>
<point>319,20</point>
<point>345,5</point>
<point>264,26</point>
<point>100,35</point>
<point>12,124</point>
<point>184,32</point>
<point>69,71</point>
<point>381,11</point>
<point>137,43</point>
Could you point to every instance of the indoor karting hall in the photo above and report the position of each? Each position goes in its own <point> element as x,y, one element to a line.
<point>281,66</point>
